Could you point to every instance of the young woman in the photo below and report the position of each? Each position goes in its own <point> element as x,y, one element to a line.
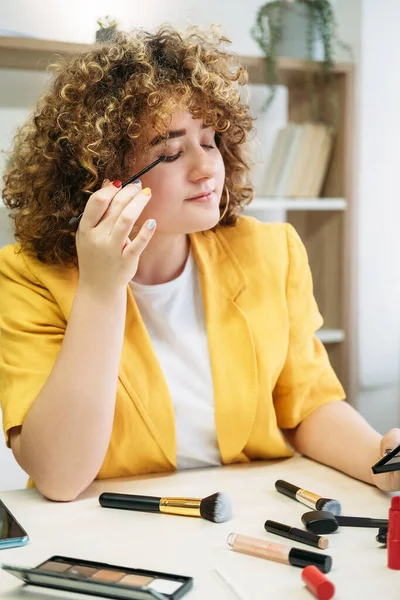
<point>165,331</point>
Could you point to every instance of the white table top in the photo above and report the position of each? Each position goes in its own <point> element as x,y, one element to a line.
<point>195,547</point>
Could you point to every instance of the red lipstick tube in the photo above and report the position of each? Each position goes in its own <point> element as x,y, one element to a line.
<point>393,538</point>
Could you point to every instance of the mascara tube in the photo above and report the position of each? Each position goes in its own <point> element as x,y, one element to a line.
<point>298,535</point>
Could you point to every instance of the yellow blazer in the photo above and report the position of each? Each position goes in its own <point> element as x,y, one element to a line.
<point>269,371</point>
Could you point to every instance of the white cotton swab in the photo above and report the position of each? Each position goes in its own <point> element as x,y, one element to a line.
<point>231,585</point>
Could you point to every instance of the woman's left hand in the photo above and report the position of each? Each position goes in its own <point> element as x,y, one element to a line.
<point>388,482</point>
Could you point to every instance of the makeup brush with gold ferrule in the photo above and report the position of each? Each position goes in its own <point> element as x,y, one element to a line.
<point>308,498</point>
<point>216,508</point>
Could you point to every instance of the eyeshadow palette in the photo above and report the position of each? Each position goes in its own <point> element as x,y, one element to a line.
<point>102,579</point>
<point>390,462</point>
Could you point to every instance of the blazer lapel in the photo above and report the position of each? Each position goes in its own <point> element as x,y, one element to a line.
<point>141,375</point>
<point>231,347</point>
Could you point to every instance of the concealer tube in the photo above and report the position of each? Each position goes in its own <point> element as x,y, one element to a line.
<point>281,553</point>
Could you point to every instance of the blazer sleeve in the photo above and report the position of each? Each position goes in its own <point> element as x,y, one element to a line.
<point>32,329</point>
<point>307,380</point>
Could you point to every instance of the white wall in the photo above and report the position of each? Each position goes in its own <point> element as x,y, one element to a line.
<point>371,31</point>
<point>76,20</point>
<point>379,242</point>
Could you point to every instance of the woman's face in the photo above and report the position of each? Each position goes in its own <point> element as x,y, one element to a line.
<point>187,188</point>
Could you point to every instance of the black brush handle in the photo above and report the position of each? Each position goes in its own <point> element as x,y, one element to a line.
<point>361,522</point>
<point>286,488</point>
<point>130,502</point>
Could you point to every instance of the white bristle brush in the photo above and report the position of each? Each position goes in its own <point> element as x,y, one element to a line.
<point>216,508</point>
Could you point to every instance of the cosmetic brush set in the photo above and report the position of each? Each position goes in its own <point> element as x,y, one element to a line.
<point>102,579</point>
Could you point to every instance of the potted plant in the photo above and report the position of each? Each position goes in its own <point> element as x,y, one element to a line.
<point>107,29</point>
<point>297,28</point>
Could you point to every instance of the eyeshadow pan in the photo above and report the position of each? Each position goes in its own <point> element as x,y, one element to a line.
<point>81,571</point>
<point>136,580</point>
<point>108,575</point>
<point>165,586</point>
<point>51,565</point>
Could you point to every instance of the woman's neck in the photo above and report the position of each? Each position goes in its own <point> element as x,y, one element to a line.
<point>163,260</point>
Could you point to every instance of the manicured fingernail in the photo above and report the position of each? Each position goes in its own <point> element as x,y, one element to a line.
<point>117,183</point>
<point>138,182</point>
<point>146,191</point>
<point>151,224</point>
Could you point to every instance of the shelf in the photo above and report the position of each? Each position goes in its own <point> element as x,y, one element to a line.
<point>289,69</point>
<point>331,336</point>
<point>35,54</point>
<point>321,204</point>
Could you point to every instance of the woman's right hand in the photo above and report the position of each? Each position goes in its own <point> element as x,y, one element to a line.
<point>107,258</point>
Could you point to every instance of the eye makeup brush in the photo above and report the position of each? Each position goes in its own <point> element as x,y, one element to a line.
<point>216,508</point>
<point>308,498</point>
<point>161,158</point>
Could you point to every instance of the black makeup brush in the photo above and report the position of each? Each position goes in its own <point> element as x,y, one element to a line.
<point>308,498</point>
<point>161,158</point>
<point>216,508</point>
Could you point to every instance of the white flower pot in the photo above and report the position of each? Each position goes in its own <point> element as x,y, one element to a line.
<point>294,34</point>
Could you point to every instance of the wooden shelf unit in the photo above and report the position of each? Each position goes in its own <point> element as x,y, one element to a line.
<point>325,231</point>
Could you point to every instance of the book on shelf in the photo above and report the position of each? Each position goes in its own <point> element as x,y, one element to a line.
<point>299,161</point>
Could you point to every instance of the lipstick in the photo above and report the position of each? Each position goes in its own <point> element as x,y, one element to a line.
<point>317,583</point>
<point>393,537</point>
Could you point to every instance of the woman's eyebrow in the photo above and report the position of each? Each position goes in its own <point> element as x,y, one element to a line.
<point>170,135</point>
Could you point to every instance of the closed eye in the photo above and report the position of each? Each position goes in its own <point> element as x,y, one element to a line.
<point>176,156</point>
<point>172,158</point>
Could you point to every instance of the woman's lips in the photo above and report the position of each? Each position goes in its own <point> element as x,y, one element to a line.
<point>206,197</point>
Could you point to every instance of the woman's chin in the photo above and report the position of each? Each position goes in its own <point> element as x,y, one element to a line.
<point>204,222</point>
<point>190,222</point>
<point>202,215</point>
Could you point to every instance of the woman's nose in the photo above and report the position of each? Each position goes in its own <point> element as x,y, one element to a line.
<point>203,165</point>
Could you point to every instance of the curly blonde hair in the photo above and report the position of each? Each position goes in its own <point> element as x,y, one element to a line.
<point>89,124</point>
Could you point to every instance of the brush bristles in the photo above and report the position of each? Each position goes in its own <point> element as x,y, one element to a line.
<point>216,508</point>
<point>327,504</point>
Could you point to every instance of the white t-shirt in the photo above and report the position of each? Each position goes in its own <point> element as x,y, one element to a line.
<point>173,314</point>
